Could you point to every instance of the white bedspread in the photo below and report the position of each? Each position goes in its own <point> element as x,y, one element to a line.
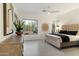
<point>71,37</point>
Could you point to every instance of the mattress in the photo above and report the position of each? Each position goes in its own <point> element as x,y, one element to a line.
<point>71,37</point>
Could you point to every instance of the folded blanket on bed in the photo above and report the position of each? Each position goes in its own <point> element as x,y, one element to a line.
<point>63,37</point>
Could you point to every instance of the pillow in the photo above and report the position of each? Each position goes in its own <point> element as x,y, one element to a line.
<point>63,32</point>
<point>72,32</point>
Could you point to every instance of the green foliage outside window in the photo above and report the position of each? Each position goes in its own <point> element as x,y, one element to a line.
<point>31,26</point>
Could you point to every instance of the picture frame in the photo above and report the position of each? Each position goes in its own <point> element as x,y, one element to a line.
<point>8,18</point>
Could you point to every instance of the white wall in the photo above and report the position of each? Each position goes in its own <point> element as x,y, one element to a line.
<point>71,17</point>
<point>2,38</point>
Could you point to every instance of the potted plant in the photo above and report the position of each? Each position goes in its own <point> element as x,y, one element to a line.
<point>19,26</point>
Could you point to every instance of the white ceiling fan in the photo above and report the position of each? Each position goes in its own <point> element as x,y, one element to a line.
<point>48,10</point>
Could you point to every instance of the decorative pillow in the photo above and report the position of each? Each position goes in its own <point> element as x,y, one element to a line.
<point>63,32</point>
<point>72,32</point>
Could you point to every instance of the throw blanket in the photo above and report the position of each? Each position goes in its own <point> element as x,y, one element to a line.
<point>64,37</point>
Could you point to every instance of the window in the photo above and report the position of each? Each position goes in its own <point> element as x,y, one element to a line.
<point>30,26</point>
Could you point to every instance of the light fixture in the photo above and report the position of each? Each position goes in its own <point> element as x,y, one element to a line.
<point>48,13</point>
<point>49,10</point>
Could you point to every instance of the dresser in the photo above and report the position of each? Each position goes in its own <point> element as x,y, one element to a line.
<point>12,46</point>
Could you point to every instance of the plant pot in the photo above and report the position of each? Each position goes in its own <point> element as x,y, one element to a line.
<point>19,33</point>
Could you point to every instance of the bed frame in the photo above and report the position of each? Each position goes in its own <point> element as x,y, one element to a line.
<point>57,41</point>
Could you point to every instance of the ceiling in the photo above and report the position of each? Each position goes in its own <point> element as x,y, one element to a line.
<point>36,8</point>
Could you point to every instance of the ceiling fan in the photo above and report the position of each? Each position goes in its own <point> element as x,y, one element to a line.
<point>48,10</point>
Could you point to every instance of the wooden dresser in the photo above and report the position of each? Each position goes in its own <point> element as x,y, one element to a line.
<point>13,46</point>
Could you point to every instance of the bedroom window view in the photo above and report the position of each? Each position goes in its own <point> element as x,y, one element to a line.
<point>30,26</point>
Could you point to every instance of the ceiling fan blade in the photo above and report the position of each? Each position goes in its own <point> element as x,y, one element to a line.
<point>54,11</point>
<point>44,10</point>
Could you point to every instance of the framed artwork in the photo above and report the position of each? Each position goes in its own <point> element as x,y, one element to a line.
<point>8,18</point>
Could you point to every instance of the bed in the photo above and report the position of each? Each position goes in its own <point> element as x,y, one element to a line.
<point>56,40</point>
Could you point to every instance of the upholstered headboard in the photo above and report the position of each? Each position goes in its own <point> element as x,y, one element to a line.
<point>71,27</point>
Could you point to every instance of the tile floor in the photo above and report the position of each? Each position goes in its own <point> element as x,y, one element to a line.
<point>41,48</point>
